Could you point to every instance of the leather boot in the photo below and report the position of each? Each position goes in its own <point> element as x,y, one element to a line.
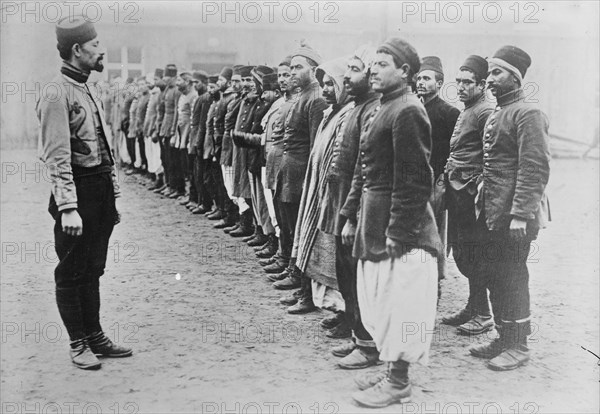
<point>491,349</point>
<point>393,388</point>
<point>462,316</point>
<point>267,261</point>
<point>270,248</point>
<point>102,346</point>
<point>230,219</point>
<point>259,239</point>
<point>217,215</point>
<point>160,189</point>
<point>516,352</point>
<point>231,228</point>
<point>291,299</point>
<point>305,303</point>
<point>82,356</point>
<point>246,226</point>
<point>257,231</point>
<point>275,277</point>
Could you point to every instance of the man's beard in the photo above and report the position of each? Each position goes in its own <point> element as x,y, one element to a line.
<point>99,67</point>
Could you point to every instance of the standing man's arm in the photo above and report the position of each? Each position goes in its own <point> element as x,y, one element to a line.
<point>53,113</point>
<point>413,178</point>
<point>533,171</point>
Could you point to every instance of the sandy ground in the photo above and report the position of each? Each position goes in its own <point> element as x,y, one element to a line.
<point>214,339</point>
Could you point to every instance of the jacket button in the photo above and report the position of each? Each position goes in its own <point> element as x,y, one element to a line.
<point>364,190</point>
<point>486,155</point>
<point>487,164</point>
<point>284,152</point>
<point>364,166</point>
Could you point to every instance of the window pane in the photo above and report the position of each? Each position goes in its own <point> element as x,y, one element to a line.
<point>114,73</point>
<point>134,73</point>
<point>114,55</point>
<point>134,54</point>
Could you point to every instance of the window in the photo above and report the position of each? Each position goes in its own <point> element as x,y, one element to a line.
<point>134,55</point>
<point>113,55</point>
<point>124,61</point>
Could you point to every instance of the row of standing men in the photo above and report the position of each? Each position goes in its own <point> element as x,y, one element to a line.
<point>353,179</point>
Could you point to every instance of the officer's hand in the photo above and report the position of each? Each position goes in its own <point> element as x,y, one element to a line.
<point>518,229</point>
<point>71,223</point>
<point>348,233</point>
<point>393,248</point>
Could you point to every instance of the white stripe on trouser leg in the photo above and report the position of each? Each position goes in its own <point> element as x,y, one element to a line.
<point>397,300</point>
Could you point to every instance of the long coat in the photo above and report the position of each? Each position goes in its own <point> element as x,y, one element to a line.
<point>393,180</point>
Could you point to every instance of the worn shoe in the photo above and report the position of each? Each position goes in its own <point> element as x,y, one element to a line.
<point>291,299</point>
<point>276,277</point>
<point>344,349</point>
<point>305,304</point>
<point>382,394</point>
<point>231,228</point>
<point>161,189</point>
<point>477,325</point>
<point>340,331</point>
<point>217,215</point>
<point>276,267</point>
<point>332,321</point>
<point>510,358</point>
<point>184,201</point>
<point>359,359</point>
<point>366,380</point>
<point>198,210</point>
<point>267,261</point>
<point>82,356</point>
<point>242,231</point>
<point>258,240</point>
<point>458,318</point>
<point>269,249</point>
<point>190,205</point>
<point>489,350</point>
<point>289,283</point>
<point>248,238</point>
<point>102,346</point>
<point>176,195</point>
<point>223,224</point>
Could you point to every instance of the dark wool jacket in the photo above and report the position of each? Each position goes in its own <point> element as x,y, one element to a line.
<point>301,124</point>
<point>198,124</point>
<point>442,117</point>
<point>516,162</point>
<point>226,116</point>
<point>393,180</point>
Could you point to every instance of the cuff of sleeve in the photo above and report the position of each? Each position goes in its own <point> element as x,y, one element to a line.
<point>67,206</point>
<point>522,215</point>
<point>350,215</point>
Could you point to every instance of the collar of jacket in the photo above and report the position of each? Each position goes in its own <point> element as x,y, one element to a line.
<point>396,93</point>
<point>474,102</point>
<point>510,97</point>
<point>433,101</point>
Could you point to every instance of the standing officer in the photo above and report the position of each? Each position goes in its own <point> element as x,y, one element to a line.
<point>74,146</point>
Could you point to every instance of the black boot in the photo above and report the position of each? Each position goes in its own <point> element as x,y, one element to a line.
<point>393,388</point>
<point>230,219</point>
<point>246,228</point>
<point>102,346</point>
<point>516,352</point>
<point>257,232</point>
<point>270,248</point>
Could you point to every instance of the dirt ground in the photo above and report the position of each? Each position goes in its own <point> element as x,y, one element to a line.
<point>210,336</point>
